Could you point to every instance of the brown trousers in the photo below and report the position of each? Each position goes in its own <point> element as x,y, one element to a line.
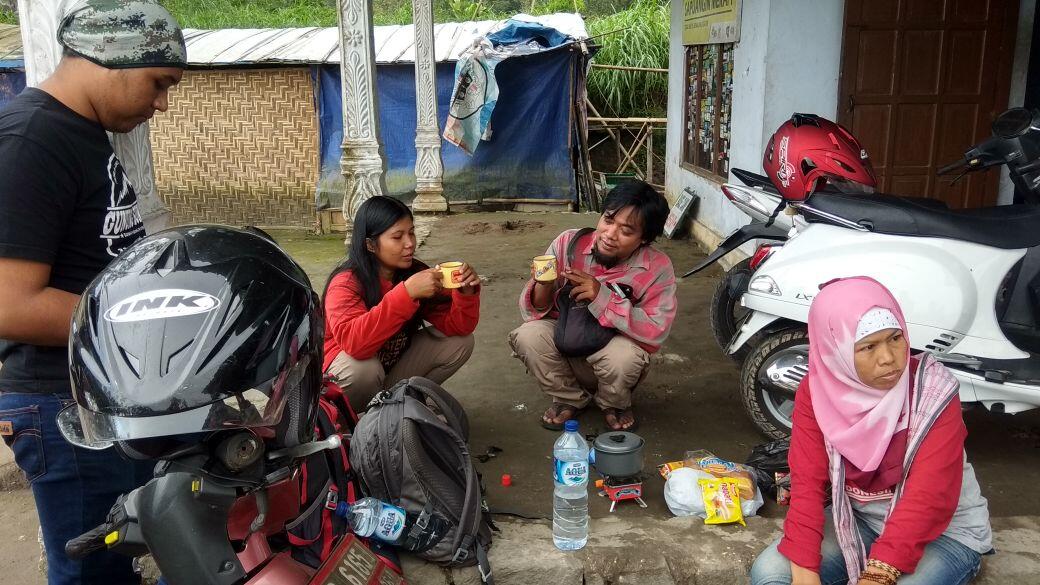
<point>431,355</point>
<point>608,376</point>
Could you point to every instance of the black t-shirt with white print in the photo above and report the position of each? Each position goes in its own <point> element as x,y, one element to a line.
<point>66,201</point>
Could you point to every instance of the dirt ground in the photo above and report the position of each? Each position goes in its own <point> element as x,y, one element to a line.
<point>689,400</point>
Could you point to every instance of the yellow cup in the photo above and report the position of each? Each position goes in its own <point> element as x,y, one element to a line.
<point>451,274</point>
<point>545,268</point>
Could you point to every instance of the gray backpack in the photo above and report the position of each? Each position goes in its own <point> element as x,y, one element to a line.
<point>411,449</point>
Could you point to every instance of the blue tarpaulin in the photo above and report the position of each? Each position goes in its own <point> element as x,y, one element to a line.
<point>528,156</point>
<point>12,82</point>
<point>520,31</point>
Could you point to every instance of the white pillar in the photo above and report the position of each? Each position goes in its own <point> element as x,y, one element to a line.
<point>429,191</point>
<point>39,26</point>
<point>362,162</point>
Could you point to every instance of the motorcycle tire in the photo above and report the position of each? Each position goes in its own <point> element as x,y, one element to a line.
<point>725,311</point>
<point>770,407</point>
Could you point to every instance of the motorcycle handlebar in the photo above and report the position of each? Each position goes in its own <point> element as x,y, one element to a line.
<point>86,543</point>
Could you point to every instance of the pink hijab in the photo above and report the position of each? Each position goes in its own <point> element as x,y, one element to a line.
<point>856,419</point>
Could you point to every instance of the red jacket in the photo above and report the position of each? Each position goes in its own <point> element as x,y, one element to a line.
<point>924,511</point>
<point>358,331</point>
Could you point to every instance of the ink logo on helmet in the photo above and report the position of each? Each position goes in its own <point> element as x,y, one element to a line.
<point>161,304</point>
<point>786,170</point>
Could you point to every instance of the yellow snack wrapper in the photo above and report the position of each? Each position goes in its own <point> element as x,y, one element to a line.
<point>706,461</point>
<point>721,501</point>
<point>666,469</point>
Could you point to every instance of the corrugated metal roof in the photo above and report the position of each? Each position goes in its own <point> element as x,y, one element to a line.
<point>394,44</point>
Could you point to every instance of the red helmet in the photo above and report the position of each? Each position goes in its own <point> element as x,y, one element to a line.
<point>807,152</point>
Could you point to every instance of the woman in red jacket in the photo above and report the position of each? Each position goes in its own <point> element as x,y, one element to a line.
<point>881,431</point>
<point>375,304</point>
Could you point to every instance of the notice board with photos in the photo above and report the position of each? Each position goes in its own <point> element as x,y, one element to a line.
<point>708,108</point>
<point>711,21</point>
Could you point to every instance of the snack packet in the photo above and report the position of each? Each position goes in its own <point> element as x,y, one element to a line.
<point>666,469</point>
<point>721,501</point>
<point>783,488</point>
<point>719,467</point>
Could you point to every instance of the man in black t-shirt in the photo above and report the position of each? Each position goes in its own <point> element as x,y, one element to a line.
<point>67,209</point>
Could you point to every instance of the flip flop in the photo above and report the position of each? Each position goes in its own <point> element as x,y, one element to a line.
<point>617,413</point>
<point>559,408</point>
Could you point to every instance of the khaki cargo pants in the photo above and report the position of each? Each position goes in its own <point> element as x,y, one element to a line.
<point>608,376</point>
<point>431,354</point>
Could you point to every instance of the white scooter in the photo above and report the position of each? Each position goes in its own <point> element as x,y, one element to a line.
<point>762,203</point>
<point>968,282</point>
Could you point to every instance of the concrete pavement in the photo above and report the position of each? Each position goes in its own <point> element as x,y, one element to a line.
<point>683,551</point>
<point>689,401</point>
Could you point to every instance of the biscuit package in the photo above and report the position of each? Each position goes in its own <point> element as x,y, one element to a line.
<point>721,501</point>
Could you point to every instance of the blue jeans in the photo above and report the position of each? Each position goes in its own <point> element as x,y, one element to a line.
<point>74,488</point>
<point>945,562</point>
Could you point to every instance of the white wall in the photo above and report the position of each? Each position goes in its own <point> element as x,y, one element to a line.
<point>1019,72</point>
<point>788,60</point>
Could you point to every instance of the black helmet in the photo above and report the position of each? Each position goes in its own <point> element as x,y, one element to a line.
<point>194,330</point>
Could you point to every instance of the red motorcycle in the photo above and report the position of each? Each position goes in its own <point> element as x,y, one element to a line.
<point>200,347</point>
<point>200,530</point>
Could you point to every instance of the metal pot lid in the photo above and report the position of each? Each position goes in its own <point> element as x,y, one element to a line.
<point>618,442</point>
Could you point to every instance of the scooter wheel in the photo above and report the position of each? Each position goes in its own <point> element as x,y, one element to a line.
<point>725,310</point>
<point>769,378</point>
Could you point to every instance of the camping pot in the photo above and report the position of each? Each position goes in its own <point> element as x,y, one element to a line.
<point>618,454</point>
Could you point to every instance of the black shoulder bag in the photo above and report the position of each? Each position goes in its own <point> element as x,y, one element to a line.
<point>578,332</point>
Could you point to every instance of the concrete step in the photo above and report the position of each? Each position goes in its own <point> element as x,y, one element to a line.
<point>677,551</point>
<point>681,551</point>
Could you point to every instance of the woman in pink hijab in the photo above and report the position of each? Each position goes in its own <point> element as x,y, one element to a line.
<point>879,433</point>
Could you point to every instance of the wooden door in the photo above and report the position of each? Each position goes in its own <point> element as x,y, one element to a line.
<point>921,82</point>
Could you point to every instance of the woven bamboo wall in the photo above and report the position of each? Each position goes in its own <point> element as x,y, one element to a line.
<point>239,147</point>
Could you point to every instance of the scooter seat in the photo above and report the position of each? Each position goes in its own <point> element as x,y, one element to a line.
<point>1005,226</point>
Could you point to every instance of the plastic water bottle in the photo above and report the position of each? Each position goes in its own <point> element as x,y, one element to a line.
<point>571,496</point>
<point>369,517</point>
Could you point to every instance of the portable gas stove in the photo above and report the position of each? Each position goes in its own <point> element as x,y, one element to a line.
<point>619,489</point>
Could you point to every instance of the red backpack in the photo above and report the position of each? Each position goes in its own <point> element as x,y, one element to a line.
<point>326,479</point>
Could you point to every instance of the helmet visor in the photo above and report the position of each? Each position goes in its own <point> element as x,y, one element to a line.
<point>843,185</point>
<point>95,430</point>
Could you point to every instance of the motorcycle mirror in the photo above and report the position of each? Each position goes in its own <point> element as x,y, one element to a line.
<point>71,428</point>
<point>1013,123</point>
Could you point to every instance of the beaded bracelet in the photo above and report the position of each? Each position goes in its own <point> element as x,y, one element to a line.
<point>883,579</point>
<point>885,568</point>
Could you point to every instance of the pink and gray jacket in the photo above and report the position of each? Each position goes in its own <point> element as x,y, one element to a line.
<point>647,319</point>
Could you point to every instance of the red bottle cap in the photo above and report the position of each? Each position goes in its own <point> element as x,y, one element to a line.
<point>507,480</point>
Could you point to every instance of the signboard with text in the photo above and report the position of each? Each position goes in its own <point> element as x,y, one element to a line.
<point>711,21</point>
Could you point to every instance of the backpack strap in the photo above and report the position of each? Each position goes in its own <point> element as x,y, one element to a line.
<point>469,520</point>
<point>339,461</point>
<point>446,403</point>
<point>484,565</point>
<point>574,244</point>
<point>569,254</point>
<point>334,394</point>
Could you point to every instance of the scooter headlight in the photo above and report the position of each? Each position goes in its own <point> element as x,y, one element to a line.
<point>764,284</point>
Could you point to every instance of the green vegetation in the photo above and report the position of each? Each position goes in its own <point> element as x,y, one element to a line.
<point>641,39</point>
<point>252,13</point>
<point>8,15</point>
